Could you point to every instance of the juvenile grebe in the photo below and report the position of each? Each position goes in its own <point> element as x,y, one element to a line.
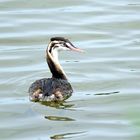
<point>56,88</point>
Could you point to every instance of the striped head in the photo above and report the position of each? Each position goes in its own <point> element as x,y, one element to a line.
<point>62,44</point>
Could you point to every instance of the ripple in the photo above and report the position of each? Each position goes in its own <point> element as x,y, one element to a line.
<point>58,118</point>
<point>66,135</point>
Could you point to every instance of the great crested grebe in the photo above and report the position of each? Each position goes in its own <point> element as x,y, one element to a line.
<point>56,88</point>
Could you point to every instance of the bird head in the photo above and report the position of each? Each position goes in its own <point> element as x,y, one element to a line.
<point>62,44</point>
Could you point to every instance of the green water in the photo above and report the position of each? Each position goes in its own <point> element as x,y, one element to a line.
<point>106,78</point>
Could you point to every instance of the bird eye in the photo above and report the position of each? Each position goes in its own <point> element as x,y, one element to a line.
<point>66,45</point>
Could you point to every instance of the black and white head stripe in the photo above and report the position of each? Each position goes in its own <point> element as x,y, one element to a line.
<point>59,39</point>
<point>59,42</point>
<point>62,43</point>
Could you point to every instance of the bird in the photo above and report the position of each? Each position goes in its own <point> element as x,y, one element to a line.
<point>56,88</point>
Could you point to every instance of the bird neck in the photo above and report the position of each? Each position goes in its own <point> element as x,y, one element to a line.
<point>53,63</point>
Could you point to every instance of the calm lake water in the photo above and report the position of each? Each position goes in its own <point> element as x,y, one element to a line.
<point>106,78</point>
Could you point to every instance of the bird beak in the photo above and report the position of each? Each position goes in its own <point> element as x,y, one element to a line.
<point>73,48</point>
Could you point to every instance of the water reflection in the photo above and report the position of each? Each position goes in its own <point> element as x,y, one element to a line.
<point>66,135</point>
<point>58,105</point>
<point>107,93</point>
<point>58,118</point>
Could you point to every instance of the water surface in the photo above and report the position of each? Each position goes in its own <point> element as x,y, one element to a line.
<point>105,104</point>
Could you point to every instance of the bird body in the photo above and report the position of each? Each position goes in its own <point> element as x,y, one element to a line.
<point>56,88</point>
<point>50,89</point>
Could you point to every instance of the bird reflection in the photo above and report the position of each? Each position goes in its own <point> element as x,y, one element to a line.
<point>107,93</point>
<point>58,118</point>
<point>58,105</point>
<point>65,135</point>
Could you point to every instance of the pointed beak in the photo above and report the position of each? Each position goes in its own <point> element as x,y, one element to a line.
<point>73,48</point>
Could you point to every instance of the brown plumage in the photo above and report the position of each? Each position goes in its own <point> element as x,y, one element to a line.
<point>56,88</point>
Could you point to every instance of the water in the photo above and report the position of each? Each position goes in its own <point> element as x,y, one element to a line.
<point>105,104</point>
